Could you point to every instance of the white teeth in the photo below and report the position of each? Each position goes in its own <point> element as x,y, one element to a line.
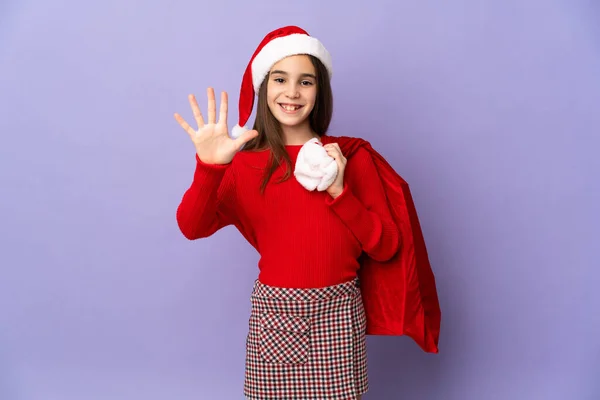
<point>290,108</point>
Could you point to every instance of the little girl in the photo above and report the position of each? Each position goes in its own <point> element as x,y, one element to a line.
<point>341,253</point>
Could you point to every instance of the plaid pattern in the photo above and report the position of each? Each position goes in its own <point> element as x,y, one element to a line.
<point>306,343</point>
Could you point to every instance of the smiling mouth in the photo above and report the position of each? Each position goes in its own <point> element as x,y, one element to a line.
<point>290,108</point>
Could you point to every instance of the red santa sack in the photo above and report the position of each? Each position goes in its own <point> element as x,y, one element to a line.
<point>399,295</point>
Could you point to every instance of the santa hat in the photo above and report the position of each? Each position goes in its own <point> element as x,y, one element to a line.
<point>277,45</point>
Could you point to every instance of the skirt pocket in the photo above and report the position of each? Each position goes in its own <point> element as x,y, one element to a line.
<point>284,339</point>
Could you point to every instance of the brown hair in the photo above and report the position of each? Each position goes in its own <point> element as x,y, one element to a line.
<point>269,129</point>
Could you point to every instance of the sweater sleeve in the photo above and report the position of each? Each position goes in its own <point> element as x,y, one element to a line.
<point>363,208</point>
<point>209,203</point>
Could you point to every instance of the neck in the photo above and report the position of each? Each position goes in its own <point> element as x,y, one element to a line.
<point>297,135</point>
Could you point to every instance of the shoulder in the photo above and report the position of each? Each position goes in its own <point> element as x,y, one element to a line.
<point>348,144</point>
<point>360,159</point>
<point>357,153</point>
<point>353,148</point>
<point>342,140</point>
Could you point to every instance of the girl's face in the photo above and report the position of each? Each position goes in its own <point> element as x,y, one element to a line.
<point>292,90</point>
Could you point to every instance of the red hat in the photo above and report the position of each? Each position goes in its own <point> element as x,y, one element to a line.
<point>277,45</point>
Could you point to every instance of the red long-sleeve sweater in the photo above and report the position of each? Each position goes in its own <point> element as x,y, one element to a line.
<point>305,239</point>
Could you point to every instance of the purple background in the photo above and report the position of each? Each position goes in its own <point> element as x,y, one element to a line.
<point>490,109</point>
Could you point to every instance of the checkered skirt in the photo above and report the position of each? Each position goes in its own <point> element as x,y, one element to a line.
<point>306,343</point>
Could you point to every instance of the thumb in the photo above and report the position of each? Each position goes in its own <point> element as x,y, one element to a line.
<point>246,137</point>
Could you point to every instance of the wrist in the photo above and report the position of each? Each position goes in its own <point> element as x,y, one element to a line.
<point>336,192</point>
<point>210,161</point>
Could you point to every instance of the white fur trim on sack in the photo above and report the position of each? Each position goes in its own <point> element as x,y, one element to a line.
<point>282,47</point>
<point>315,169</point>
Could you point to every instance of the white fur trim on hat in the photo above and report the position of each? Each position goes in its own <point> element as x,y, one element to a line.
<point>237,131</point>
<point>282,47</point>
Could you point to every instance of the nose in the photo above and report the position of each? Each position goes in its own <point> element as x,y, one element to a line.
<point>292,91</point>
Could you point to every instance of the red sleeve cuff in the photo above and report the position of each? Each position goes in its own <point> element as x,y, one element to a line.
<point>353,213</point>
<point>209,174</point>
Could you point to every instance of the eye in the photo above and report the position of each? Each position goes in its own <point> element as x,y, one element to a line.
<point>278,80</point>
<point>307,83</point>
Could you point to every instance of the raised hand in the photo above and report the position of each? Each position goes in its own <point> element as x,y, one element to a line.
<point>212,141</point>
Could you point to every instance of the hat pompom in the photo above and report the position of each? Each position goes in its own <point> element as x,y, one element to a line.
<point>237,131</point>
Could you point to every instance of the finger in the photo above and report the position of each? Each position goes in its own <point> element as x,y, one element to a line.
<point>185,125</point>
<point>196,111</point>
<point>245,137</point>
<point>338,150</point>
<point>337,156</point>
<point>332,151</point>
<point>223,110</point>
<point>212,107</point>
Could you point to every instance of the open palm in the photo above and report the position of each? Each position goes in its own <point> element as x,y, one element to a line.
<point>212,141</point>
